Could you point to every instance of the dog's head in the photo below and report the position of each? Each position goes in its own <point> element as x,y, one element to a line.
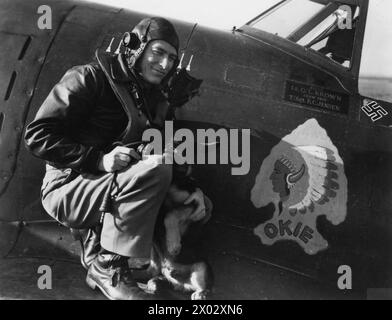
<point>179,223</point>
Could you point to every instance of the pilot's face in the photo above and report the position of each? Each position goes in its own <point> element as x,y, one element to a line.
<point>157,61</point>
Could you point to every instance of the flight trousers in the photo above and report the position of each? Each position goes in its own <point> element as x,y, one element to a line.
<point>74,200</point>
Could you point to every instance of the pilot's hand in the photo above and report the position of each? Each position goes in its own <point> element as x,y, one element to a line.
<point>117,159</point>
<point>197,198</point>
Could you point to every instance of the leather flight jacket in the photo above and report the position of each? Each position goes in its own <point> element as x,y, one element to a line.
<point>92,107</point>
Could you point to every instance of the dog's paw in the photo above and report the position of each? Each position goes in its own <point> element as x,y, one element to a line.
<point>174,249</point>
<point>199,295</point>
<point>155,285</point>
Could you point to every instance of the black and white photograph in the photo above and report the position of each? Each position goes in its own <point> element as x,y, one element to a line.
<point>222,151</point>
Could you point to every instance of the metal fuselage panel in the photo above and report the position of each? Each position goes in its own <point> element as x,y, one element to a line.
<point>24,50</point>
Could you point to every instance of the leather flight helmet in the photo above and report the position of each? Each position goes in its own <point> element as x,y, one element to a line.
<point>147,30</point>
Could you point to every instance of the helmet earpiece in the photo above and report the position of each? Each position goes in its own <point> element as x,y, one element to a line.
<point>131,41</point>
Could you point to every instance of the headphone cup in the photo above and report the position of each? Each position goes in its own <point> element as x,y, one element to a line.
<point>131,40</point>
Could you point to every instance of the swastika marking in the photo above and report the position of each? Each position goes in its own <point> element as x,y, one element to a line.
<point>374,111</point>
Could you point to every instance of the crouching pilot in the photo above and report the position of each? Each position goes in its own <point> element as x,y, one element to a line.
<point>75,131</point>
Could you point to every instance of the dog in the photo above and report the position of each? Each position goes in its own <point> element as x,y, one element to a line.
<point>175,218</point>
<point>165,270</point>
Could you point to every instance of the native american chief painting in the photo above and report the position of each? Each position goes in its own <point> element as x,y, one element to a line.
<point>304,178</point>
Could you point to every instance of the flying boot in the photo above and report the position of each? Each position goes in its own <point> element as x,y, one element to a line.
<point>111,274</point>
<point>89,240</point>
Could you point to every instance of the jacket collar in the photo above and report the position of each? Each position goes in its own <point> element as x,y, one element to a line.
<point>119,69</point>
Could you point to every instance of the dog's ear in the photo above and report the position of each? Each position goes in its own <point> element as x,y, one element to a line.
<point>209,207</point>
<point>206,218</point>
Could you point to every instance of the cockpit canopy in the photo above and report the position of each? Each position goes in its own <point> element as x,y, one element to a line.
<point>327,27</point>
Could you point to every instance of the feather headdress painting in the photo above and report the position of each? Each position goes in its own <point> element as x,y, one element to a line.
<point>304,178</point>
